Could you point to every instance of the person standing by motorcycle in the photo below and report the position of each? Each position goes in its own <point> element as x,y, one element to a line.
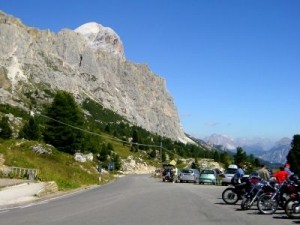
<point>240,172</point>
<point>263,173</point>
<point>175,174</point>
<point>281,175</point>
<point>287,167</point>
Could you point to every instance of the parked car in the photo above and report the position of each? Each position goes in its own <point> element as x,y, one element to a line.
<point>189,175</point>
<point>208,176</point>
<point>228,174</point>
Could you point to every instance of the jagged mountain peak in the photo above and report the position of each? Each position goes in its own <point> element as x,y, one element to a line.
<point>102,38</point>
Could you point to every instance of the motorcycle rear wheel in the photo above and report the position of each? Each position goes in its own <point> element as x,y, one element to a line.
<point>292,208</point>
<point>229,196</point>
<point>267,205</point>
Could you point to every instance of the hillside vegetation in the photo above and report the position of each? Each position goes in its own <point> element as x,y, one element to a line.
<point>57,166</point>
<point>65,128</point>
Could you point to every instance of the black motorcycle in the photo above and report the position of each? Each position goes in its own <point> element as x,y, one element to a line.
<point>235,192</point>
<point>256,191</point>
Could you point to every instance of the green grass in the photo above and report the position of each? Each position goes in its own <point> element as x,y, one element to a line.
<point>59,167</point>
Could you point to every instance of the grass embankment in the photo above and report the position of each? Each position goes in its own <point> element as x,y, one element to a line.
<point>57,166</point>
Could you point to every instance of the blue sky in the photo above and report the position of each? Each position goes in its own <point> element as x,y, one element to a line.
<point>232,66</point>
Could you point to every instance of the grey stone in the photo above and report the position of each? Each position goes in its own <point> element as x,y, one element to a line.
<point>33,60</point>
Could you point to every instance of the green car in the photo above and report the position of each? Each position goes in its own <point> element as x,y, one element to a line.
<point>208,176</point>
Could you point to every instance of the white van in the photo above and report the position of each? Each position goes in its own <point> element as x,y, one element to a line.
<point>232,166</point>
<point>228,174</point>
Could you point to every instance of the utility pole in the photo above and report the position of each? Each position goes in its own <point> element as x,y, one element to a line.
<point>161,152</point>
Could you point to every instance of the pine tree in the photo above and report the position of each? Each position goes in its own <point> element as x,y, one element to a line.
<point>225,159</point>
<point>163,155</point>
<point>65,120</point>
<point>135,136</point>
<point>117,161</point>
<point>103,153</point>
<point>240,156</point>
<point>217,156</point>
<point>5,130</point>
<point>293,157</point>
<point>30,130</point>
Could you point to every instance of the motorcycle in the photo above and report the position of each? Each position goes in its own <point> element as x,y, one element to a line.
<point>167,175</point>
<point>234,193</point>
<point>292,206</point>
<point>269,202</point>
<point>256,191</point>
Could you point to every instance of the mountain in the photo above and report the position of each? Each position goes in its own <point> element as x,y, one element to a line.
<point>255,144</point>
<point>262,148</point>
<point>201,143</point>
<point>88,62</point>
<point>224,141</point>
<point>278,153</point>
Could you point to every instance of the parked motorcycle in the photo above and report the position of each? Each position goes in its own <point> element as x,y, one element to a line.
<point>269,202</point>
<point>292,206</point>
<point>256,191</point>
<point>234,193</point>
<point>168,175</point>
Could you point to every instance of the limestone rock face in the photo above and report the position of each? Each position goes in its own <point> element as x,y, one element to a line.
<point>88,62</point>
<point>102,39</point>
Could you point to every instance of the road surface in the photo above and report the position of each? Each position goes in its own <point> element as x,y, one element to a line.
<point>141,200</point>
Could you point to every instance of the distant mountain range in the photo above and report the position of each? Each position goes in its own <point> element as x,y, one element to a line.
<point>273,152</point>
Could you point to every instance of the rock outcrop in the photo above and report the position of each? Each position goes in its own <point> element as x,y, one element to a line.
<point>88,62</point>
<point>136,166</point>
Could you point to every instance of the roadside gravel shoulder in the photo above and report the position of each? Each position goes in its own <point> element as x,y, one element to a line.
<point>17,192</point>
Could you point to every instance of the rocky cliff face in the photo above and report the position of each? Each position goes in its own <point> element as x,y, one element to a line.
<point>88,62</point>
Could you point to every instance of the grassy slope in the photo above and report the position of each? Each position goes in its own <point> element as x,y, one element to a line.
<point>58,166</point>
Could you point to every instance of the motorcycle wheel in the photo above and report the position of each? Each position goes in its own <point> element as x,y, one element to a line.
<point>229,196</point>
<point>292,209</point>
<point>266,205</point>
<point>246,203</point>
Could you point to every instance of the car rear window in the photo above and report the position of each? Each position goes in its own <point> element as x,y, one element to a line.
<point>207,172</point>
<point>186,171</point>
<point>231,171</point>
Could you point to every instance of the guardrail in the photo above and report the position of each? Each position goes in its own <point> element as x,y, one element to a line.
<point>19,172</point>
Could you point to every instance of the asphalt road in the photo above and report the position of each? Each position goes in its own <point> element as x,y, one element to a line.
<point>141,200</point>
